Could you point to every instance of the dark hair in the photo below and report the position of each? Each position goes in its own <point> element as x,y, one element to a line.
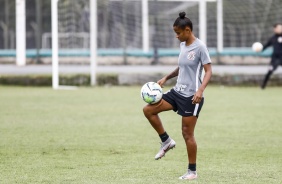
<point>183,21</point>
<point>276,24</point>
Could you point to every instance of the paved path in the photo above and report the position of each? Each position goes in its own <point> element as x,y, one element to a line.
<point>73,69</point>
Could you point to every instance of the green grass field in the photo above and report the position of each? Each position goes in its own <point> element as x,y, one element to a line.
<point>99,135</point>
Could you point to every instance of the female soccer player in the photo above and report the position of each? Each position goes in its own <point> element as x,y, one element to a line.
<point>276,57</point>
<point>186,97</point>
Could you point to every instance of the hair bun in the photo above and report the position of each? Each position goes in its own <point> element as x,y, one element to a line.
<point>182,15</point>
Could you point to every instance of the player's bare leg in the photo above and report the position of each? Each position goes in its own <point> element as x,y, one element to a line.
<point>188,126</point>
<point>151,112</point>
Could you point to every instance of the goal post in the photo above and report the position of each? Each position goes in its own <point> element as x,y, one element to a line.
<point>219,16</point>
<point>55,47</point>
<point>55,44</point>
<point>20,33</point>
<point>145,24</point>
<point>93,41</point>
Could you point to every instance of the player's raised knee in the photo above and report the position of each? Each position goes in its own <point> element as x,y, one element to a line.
<point>146,109</point>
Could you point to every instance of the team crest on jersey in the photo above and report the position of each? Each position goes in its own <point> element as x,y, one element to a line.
<point>191,55</point>
<point>180,87</point>
<point>279,39</point>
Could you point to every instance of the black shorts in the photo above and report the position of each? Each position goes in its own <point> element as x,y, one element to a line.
<point>183,105</point>
<point>275,62</point>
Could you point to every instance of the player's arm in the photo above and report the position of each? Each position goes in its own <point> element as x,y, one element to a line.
<point>169,76</point>
<point>199,94</point>
<point>267,44</point>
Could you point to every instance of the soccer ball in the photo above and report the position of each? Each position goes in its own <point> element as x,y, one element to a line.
<point>151,92</point>
<point>257,47</point>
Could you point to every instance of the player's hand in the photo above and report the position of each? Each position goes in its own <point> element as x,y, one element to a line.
<point>197,98</point>
<point>162,81</point>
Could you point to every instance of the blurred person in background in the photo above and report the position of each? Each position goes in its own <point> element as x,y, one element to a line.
<point>276,58</point>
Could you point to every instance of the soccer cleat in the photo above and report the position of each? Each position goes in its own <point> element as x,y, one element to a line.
<point>165,147</point>
<point>190,175</point>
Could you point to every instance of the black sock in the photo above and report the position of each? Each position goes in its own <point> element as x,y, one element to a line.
<point>266,78</point>
<point>192,167</point>
<point>164,137</point>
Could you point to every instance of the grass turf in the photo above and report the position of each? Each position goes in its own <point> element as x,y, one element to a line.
<point>99,135</point>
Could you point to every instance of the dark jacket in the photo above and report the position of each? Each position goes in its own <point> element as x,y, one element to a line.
<point>276,42</point>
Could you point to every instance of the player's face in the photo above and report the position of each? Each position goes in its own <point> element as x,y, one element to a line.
<point>182,34</point>
<point>278,29</point>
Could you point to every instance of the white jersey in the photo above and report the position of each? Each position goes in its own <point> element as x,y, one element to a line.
<point>191,60</point>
